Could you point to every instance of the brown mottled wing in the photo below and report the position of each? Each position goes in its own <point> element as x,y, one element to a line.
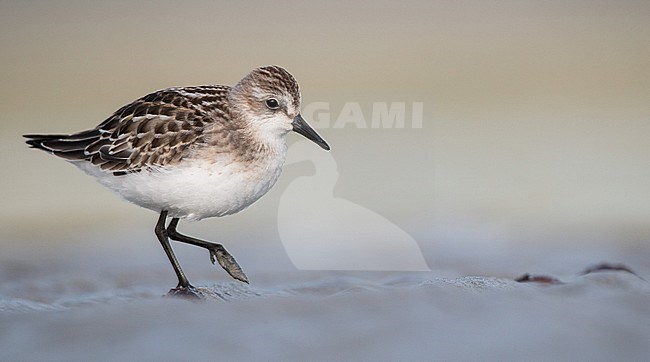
<point>156,130</point>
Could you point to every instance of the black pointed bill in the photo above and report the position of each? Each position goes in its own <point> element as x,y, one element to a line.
<point>300,125</point>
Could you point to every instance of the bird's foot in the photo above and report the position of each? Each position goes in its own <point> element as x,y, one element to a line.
<point>228,263</point>
<point>188,292</point>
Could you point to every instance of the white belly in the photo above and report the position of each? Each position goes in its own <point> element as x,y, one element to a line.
<point>196,189</point>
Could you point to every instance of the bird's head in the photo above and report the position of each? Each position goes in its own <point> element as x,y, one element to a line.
<point>268,98</point>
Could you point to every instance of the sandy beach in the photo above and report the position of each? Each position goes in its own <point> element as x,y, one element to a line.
<point>107,302</point>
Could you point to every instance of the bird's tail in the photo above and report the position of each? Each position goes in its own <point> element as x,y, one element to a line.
<point>70,147</point>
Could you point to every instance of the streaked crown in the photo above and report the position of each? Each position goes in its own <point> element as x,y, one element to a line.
<point>265,83</point>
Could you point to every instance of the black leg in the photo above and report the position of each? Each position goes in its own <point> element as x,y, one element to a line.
<point>217,251</point>
<point>184,287</point>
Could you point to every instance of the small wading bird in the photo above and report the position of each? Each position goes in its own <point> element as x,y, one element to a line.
<point>193,153</point>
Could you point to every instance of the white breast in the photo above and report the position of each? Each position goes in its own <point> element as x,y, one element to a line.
<point>197,188</point>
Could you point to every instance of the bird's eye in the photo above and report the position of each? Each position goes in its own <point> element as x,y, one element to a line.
<point>272,103</point>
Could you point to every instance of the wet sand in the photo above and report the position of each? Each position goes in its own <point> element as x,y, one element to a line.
<point>105,302</point>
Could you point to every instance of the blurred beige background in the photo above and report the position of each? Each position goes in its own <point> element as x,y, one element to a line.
<point>536,114</point>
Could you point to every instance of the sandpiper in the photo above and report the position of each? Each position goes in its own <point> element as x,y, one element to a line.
<point>193,153</point>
